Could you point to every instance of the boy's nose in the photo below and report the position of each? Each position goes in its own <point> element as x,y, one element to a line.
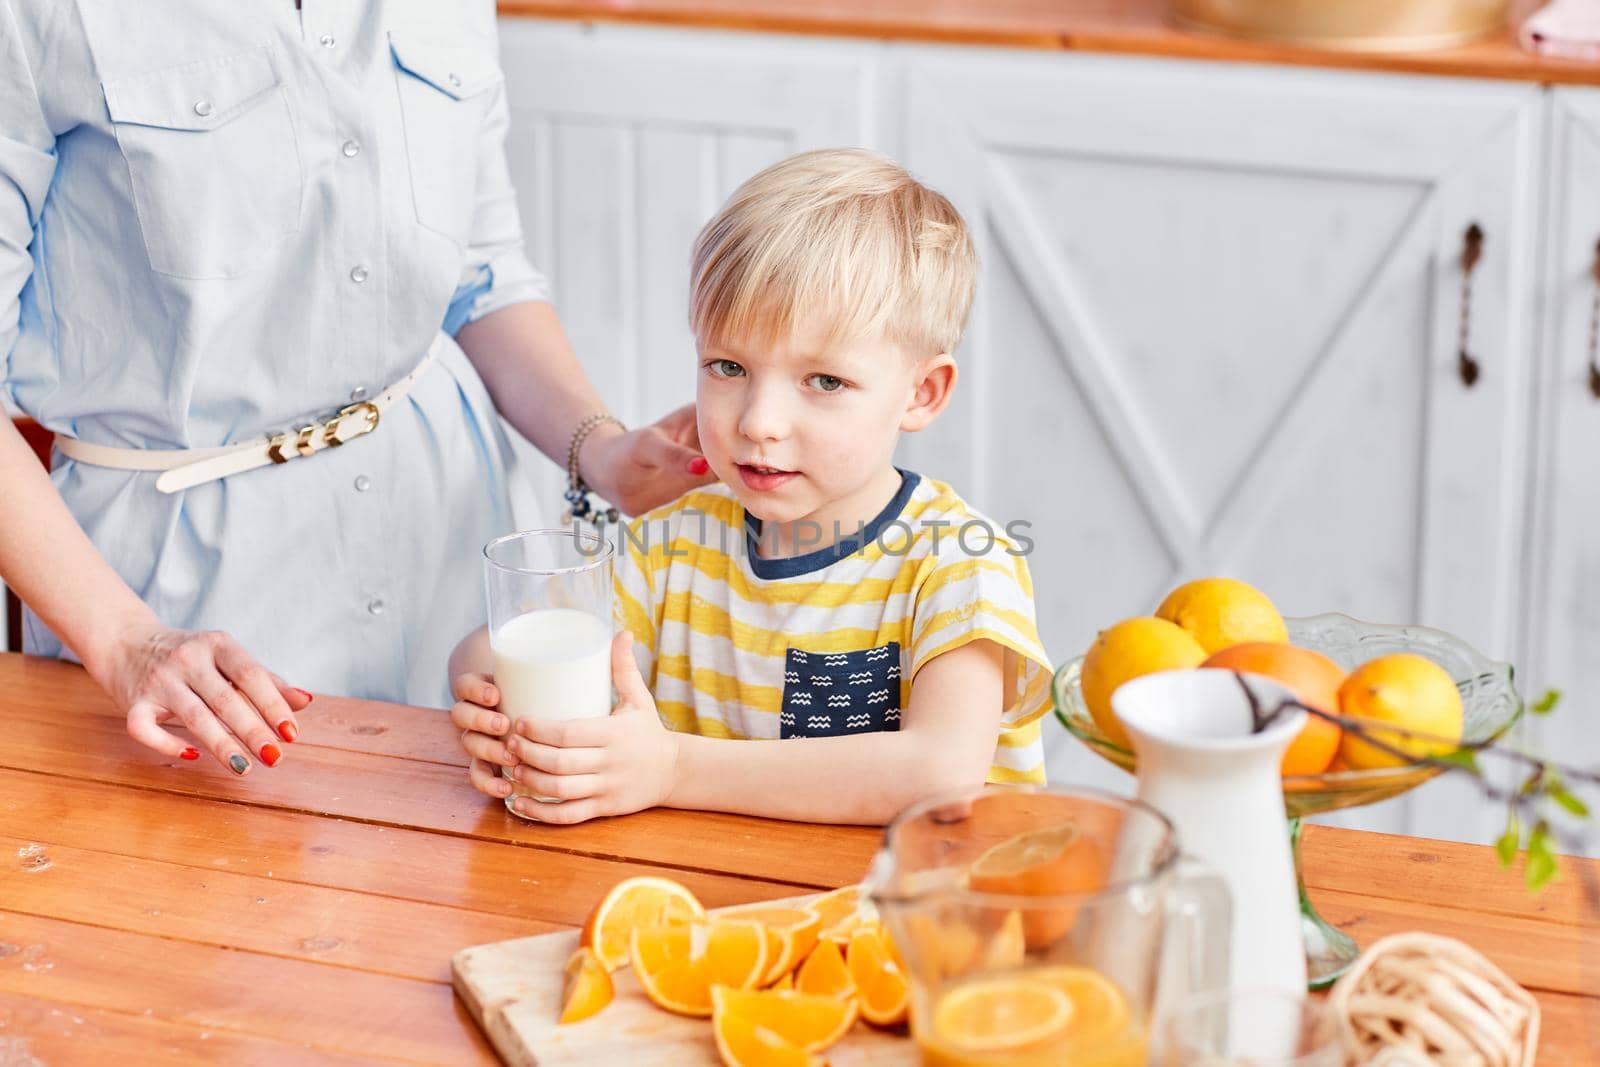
<point>763,419</point>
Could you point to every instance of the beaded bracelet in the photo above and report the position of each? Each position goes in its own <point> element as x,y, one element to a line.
<point>580,503</point>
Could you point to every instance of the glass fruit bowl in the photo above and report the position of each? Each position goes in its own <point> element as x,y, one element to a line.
<point>1489,699</point>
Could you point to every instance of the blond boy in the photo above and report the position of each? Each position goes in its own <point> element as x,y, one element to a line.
<point>822,636</point>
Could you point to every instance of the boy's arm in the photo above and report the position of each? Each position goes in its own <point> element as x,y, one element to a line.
<point>472,655</point>
<point>946,741</point>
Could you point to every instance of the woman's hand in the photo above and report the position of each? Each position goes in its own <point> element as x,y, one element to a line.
<point>623,763</point>
<point>482,732</point>
<point>647,467</point>
<point>205,681</point>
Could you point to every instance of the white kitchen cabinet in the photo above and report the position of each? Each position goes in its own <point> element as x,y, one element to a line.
<point>623,144</point>
<point>1217,335</point>
<point>1216,330</point>
<point>1562,648</point>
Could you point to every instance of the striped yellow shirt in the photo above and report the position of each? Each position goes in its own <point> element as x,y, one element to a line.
<point>829,642</point>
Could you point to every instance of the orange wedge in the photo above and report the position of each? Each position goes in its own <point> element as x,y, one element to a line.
<point>805,1020</point>
<point>825,973</point>
<point>836,906</point>
<point>635,902</point>
<point>678,963</point>
<point>786,982</point>
<point>586,986</point>
<point>880,981</point>
<point>792,934</point>
<point>995,1015</point>
<point>742,1042</point>
<point>1100,1010</point>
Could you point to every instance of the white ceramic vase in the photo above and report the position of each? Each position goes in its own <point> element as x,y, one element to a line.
<point>1202,766</point>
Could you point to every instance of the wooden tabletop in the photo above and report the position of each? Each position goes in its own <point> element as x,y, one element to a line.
<point>161,911</point>
<point>1133,27</point>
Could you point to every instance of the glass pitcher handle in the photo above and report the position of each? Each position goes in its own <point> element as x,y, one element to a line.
<point>1199,927</point>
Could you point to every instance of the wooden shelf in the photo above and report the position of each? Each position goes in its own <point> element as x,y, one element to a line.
<point>1128,27</point>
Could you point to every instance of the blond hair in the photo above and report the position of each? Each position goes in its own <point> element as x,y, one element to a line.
<point>842,234</point>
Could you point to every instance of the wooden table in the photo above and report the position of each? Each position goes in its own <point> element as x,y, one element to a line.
<point>164,911</point>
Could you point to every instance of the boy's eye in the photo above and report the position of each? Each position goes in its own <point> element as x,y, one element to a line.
<point>827,383</point>
<point>726,368</point>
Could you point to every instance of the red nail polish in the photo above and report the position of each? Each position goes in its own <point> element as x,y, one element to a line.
<point>699,465</point>
<point>270,755</point>
<point>288,730</point>
<point>189,753</point>
<point>302,693</point>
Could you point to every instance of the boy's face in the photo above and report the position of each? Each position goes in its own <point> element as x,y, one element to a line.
<point>800,431</point>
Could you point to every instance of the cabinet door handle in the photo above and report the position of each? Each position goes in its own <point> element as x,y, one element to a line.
<point>1594,329</point>
<point>1471,251</point>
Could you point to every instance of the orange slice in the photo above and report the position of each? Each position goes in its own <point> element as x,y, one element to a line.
<point>1100,1010</point>
<point>825,973</point>
<point>1051,861</point>
<point>786,982</point>
<point>805,1020</point>
<point>634,902</point>
<point>586,986</point>
<point>678,963</point>
<point>741,1042</point>
<point>836,906</point>
<point>793,934</point>
<point>992,1015</point>
<point>881,984</point>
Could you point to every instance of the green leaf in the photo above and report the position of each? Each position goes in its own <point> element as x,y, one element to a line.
<point>1547,703</point>
<point>1564,796</point>
<point>1464,758</point>
<point>1541,867</point>
<point>1506,846</point>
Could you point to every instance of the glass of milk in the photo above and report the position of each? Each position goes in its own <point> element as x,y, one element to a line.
<point>550,623</point>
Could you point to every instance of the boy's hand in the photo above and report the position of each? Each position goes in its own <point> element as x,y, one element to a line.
<point>482,730</point>
<point>625,762</point>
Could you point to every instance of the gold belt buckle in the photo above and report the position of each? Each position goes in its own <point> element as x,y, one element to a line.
<point>332,433</point>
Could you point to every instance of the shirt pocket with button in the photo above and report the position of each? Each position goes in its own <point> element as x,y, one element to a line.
<point>211,155</point>
<point>835,694</point>
<point>444,99</point>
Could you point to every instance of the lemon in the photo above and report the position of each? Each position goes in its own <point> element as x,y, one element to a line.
<point>1131,648</point>
<point>1221,612</point>
<point>1404,690</point>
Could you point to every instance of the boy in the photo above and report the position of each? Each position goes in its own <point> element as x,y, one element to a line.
<point>826,637</point>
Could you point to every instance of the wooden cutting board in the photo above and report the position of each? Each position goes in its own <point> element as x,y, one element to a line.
<point>513,989</point>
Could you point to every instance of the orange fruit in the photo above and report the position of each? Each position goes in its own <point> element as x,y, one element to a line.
<point>1000,1014</point>
<point>792,933</point>
<point>585,986</point>
<point>1313,678</point>
<point>633,902</point>
<point>1131,648</point>
<point>949,946</point>
<point>1220,612</point>
<point>786,982</point>
<point>824,972</point>
<point>881,984</point>
<point>806,1020</point>
<point>678,963</point>
<point>1050,861</point>
<point>1403,690</point>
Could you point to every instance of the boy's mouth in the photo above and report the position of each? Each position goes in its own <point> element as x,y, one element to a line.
<point>763,479</point>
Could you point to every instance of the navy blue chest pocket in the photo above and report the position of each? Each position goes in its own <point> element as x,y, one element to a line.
<point>831,694</point>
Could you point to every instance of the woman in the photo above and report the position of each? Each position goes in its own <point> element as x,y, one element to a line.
<point>261,271</point>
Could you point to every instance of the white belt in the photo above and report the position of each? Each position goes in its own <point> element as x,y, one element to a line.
<point>188,467</point>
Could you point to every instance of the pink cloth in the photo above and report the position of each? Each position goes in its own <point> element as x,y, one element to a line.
<point>1566,28</point>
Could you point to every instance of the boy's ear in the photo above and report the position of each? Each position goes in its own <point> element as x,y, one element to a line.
<point>931,388</point>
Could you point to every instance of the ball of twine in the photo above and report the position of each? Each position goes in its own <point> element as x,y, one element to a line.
<point>1423,999</point>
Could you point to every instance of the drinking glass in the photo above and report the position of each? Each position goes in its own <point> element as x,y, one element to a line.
<point>550,624</point>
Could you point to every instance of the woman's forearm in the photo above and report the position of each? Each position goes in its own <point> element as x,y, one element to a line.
<point>52,565</point>
<point>534,377</point>
<point>866,779</point>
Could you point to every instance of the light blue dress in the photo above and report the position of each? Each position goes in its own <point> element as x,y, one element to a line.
<point>222,220</point>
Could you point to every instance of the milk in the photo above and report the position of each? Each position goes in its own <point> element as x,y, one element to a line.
<point>554,663</point>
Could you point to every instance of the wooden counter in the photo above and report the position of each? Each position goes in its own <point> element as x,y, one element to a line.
<point>156,911</point>
<point>1132,27</point>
